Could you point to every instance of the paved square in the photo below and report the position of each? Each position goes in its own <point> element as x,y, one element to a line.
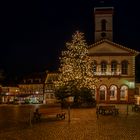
<point>84,125</point>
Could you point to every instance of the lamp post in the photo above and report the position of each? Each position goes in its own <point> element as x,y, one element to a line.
<point>70,100</point>
<point>97,109</point>
<point>127,109</point>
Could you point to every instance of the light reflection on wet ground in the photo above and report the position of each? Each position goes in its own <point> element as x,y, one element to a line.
<point>15,116</point>
<point>84,125</point>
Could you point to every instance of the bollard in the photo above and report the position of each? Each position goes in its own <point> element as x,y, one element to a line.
<point>69,113</point>
<point>97,112</point>
<point>127,110</point>
<point>30,118</point>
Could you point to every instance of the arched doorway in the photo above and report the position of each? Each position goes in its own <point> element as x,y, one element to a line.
<point>113,93</point>
<point>124,93</point>
<point>102,93</point>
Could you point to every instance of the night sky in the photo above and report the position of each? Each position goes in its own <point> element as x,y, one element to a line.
<point>33,33</point>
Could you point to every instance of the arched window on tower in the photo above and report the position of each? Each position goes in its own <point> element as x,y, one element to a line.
<point>103,25</point>
<point>124,67</point>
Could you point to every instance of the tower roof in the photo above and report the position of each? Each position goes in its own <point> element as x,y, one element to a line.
<point>103,3</point>
<point>103,10</point>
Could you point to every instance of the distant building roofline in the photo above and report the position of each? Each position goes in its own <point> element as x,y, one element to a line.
<point>103,8</point>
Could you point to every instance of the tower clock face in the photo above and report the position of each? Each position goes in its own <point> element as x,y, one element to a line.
<point>103,35</point>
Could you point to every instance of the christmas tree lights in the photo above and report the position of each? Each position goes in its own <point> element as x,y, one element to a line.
<point>75,64</point>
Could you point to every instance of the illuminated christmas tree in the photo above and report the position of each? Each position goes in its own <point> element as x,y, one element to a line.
<point>75,65</point>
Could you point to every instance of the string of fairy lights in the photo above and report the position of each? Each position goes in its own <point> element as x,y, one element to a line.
<point>75,64</point>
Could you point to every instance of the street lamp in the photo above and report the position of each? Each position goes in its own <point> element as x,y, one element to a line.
<point>70,100</point>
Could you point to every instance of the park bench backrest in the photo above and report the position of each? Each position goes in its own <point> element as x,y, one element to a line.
<point>109,107</point>
<point>49,110</point>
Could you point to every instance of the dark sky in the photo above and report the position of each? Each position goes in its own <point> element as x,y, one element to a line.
<point>33,33</point>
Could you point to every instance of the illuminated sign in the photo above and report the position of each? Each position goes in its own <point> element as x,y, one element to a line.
<point>131,84</point>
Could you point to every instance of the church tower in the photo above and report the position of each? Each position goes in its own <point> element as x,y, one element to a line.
<point>103,17</point>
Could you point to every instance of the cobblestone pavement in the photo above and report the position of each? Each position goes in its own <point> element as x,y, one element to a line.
<point>83,125</point>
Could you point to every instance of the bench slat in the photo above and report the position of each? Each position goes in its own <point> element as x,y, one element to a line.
<point>104,109</point>
<point>58,112</point>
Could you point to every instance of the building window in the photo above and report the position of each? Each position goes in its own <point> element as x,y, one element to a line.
<point>124,93</point>
<point>48,96</point>
<point>103,67</point>
<point>113,92</point>
<point>103,25</point>
<point>137,91</point>
<point>124,67</point>
<point>94,66</point>
<point>113,67</point>
<point>103,91</point>
<point>52,96</point>
<point>93,92</point>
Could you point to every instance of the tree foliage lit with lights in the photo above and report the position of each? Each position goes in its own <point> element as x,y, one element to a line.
<point>75,65</point>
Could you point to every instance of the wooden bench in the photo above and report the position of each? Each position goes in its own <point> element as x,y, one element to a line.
<point>107,110</point>
<point>40,112</point>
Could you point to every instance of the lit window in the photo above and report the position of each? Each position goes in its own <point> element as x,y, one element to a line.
<point>94,92</point>
<point>124,69</point>
<point>113,92</point>
<point>123,93</point>
<point>94,66</point>
<point>113,67</point>
<point>103,92</point>
<point>103,66</point>
<point>51,96</point>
